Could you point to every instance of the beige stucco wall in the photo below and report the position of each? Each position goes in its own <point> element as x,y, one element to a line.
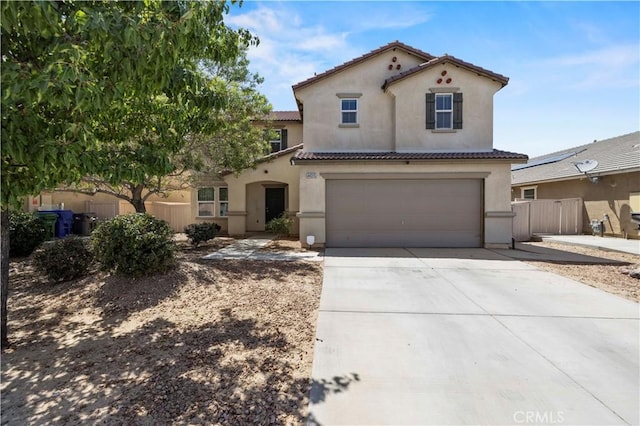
<point>477,111</point>
<point>497,207</point>
<point>609,196</point>
<point>375,108</point>
<point>294,131</point>
<point>246,194</point>
<point>78,202</point>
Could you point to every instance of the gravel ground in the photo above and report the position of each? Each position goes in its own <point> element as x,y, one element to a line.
<point>612,277</point>
<point>213,342</point>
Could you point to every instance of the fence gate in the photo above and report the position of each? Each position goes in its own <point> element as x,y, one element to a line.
<point>559,217</point>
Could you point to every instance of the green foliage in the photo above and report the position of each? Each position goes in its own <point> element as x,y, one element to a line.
<point>75,93</point>
<point>201,232</point>
<point>135,244</point>
<point>279,225</point>
<point>200,140</point>
<point>65,259</point>
<point>26,233</point>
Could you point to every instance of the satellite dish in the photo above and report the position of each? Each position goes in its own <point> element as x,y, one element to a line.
<point>586,166</point>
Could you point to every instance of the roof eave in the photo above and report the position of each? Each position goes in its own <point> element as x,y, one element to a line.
<point>393,45</point>
<point>577,177</point>
<point>503,80</point>
<point>300,161</point>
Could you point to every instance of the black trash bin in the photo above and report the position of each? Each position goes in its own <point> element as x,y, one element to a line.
<point>84,223</point>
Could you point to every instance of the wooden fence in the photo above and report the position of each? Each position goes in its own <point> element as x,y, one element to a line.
<point>559,217</point>
<point>177,215</point>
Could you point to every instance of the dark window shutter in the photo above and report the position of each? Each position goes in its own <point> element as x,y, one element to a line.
<point>283,138</point>
<point>431,110</point>
<point>457,110</point>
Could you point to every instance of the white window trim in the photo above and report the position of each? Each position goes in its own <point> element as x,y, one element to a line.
<point>217,202</point>
<point>276,141</point>
<point>222,202</point>
<point>450,111</point>
<point>342,123</point>
<point>535,192</point>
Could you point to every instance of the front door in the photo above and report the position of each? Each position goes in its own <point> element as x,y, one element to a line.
<point>274,203</point>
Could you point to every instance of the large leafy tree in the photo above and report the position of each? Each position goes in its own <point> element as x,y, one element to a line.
<point>74,74</point>
<point>208,140</point>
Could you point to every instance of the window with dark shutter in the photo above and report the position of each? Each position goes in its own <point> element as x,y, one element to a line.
<point>431,110</point>
<point>283,138</point>
<point>457,110</point>
<point>276,141</point>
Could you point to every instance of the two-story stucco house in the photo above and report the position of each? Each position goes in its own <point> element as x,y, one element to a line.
<point>393,148</point>
<point>398,151</point>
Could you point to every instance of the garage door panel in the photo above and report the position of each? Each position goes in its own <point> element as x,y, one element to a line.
<point>404,213</point>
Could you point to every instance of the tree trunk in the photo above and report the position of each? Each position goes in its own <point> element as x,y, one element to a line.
<point>137,200</point>
<point>4,272</point>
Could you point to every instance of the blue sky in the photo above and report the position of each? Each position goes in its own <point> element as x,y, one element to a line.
<point>574,67</point>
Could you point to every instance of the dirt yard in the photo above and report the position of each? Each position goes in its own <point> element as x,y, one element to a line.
<point>227,342</point>
<point>213,342</point>
<point>608,277</point>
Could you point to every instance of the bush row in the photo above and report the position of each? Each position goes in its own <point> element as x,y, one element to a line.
<point>133,245</point>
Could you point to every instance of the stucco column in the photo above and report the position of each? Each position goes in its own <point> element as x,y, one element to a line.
<point>237,207</point>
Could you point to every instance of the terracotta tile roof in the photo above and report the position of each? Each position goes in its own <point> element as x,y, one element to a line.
<point>303,157</point>
<point>270,157</point>
<point>615,155</point>
<point>395,44</point>
<point>444,59</point>
<point>285,116</point>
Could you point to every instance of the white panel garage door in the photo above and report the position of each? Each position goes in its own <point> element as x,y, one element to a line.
<point>404,213</point>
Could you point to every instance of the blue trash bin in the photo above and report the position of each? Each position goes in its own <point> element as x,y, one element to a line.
<point>64,223</point>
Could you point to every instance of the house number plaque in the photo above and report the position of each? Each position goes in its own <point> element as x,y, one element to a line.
<point>311,175</point>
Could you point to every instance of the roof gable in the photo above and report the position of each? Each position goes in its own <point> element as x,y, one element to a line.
<point>393,45</point>
<point>615,155</point>
<point>442,60</point>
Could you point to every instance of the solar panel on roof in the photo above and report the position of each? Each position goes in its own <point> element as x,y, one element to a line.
<point>546,160</point>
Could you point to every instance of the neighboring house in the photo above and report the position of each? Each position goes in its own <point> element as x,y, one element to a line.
<point>609,184</point>
<point>398,151</point>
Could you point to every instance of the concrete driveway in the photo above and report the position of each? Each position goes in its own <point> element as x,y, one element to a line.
<point>468,336</point>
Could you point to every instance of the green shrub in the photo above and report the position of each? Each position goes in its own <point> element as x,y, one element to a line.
<point>64,260</point>
<point>201,232</point>
<point>134,245</point>
<point>280,225</point>
<point>26,232</point>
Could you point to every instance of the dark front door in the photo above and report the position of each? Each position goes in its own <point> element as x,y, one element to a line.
<point>274,203</point>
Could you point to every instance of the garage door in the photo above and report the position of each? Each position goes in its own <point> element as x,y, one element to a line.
<point>404,213</point>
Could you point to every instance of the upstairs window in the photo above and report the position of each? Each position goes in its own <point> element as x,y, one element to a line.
<point>279,140</point>
<point>444,111</point>
<point>276,140</point>
<point>349,111</point>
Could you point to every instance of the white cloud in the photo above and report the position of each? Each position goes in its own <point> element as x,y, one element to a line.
<point>613,56</point>
<point>614,66</point>
<point>399,19</point>
<point>290,50</point>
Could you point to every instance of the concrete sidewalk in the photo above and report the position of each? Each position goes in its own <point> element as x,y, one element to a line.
<point>250,248</point>
<point>468,336</point>
<point>603,243</point>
